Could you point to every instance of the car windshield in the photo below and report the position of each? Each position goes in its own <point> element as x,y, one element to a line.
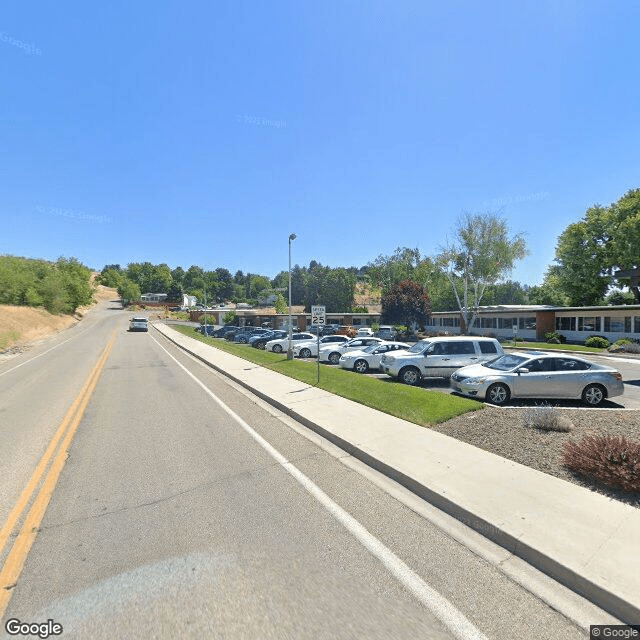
<point>419,347</point>
<point>371,348</point>
<point>506,362</point>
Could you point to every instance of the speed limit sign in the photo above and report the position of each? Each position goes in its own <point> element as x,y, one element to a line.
<point>318,316</point>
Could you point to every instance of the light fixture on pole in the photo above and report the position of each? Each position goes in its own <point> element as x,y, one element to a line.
<point>290,348</point>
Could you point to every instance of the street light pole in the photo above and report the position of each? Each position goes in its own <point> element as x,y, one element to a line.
<point>290,349</point>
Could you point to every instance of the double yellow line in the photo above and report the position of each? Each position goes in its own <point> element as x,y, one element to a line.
<point>16,558</point>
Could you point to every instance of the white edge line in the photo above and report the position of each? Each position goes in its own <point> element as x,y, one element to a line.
<point>39,355</point>
<point>446,612</point>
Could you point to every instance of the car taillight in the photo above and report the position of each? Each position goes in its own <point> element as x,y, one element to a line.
<point>617,376</point>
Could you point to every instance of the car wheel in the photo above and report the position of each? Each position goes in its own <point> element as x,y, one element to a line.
<point>593,395</point>
<point>305,353</point>
<point>334,358</point>
<point>410,375</point>
<point>361,366</point>
<point>277,348</point>
<point>498,394</point>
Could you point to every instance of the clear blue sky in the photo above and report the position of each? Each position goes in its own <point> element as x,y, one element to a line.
<point>206,132</point>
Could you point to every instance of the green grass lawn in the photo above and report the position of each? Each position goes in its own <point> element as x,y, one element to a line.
<point>409,403</point>
<point>547,345</point>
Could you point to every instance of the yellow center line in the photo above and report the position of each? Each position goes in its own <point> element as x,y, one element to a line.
<point>25,496</point>
<point>25,539</point>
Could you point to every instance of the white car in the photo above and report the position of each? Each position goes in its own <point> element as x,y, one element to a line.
<point>333,353</point>
<point>439,357</point>
<point>139,324</point>
<point>369,358</point>
<point>282,344</point>
<point>365,331</point>
<point>310,349</point>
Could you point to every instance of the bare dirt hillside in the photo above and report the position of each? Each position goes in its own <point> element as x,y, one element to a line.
<point>368,296</point>
<point>20,326</point>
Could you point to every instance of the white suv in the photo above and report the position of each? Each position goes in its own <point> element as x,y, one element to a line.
<point>439,357</point>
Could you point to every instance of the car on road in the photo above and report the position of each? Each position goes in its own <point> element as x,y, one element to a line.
<point>139,324</point>
<point>439,357</point>
<point>310,349</point>
<point>332,353</point>
<point>282,344</point>
<point>362,360</point>
<point>540,376</point>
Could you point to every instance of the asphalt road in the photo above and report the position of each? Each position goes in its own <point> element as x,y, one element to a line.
<point>188,508</point>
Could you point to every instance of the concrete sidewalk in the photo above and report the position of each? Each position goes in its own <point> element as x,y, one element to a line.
<point>582,539</point>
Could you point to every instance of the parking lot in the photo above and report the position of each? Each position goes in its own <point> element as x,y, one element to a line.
<point>629,367</point>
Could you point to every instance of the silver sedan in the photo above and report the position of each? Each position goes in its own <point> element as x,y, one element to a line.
<point>538,375</point>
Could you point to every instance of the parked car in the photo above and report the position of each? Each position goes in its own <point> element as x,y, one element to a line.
<point>231,334</point>
<point>347,330</point>
<point>208,330</point>
<point>310,349</point>
<point>139,324</point>
<point>365,331</point>
<point>243,336</point>
<point>439,357</point>
<point>222,331</point>
<point>538,375</point>
<point>259,341</point>
<point>282,344</point>
<point>361,360</point>
<point>386,332</point>
<point>332,353</point>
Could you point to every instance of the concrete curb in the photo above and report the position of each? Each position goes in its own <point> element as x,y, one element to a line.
<point>594,590</point>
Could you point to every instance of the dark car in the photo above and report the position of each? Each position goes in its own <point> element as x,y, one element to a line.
<point>244,336</point>
<point>222,331</point>
<point>259,341</point>
<point>208,330</point>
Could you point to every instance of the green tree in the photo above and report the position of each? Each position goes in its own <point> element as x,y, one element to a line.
<point>111,278</point>
<point>385,271</point>
<point>406,303</point>
<point>281,304</point>
<point>129,291</point>
<point>481,254</point>
<point>618,297</point>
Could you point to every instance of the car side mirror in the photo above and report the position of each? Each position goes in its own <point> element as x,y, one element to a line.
<point>522,370</point>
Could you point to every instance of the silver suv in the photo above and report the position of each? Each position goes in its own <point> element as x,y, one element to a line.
<point>439,357</point>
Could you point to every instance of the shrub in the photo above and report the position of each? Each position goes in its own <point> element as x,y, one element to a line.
<point>553,337</point>
<point>597,341</point>
<point>613,460</point>
<point>518,339</point>
<point>547,418</point>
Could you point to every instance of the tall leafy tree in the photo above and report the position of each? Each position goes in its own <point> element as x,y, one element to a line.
<point>481,254</point>
<point>406,303</point>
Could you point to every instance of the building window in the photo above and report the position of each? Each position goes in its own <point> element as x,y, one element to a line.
<point>527,324</point>
<point>488,323</point>
<point>588,323</point>
<point>636,324</point>
<point>565,324</point>
<point>507,323</point>
<point>615,325</point>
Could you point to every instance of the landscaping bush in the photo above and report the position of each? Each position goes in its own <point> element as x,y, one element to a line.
<point>597,341</point>
<point>553,337</point>
<point>547,418</point>
<point>625,345</point>
<point>612,460</point>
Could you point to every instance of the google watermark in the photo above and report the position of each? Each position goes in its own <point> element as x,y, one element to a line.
<point>264,122</point>
<point>502,202</point>
<point>15,627</point>
<point>30,49</point>
<point>74,214</point>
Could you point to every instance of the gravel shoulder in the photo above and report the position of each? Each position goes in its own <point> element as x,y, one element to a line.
<point>501,431</point>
